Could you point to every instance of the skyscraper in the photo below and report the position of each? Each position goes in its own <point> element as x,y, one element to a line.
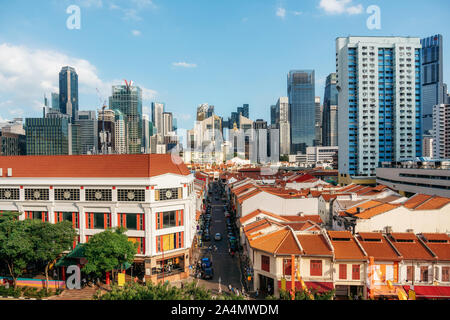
<point>301,94</point>
<point>55,101</point>
<point>273,115</point>
<point>379,98</point>
<point>88,131</point>
<point>330,107</point>
<point>167,123</point>
<point>47,136</point>
<point>128,99</point>
<point>283,125</point>
<point>68,92</point>
<point>441,131</point>
<point>318,122</point>
<point>157,117</point>
<point>107,131</point>
<point>433,92</point>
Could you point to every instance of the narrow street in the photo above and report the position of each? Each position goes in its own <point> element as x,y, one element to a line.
<point>226,268</point>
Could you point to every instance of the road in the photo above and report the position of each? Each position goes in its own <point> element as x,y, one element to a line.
<point>225,267</point>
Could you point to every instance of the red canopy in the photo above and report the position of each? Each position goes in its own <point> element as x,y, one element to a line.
<point>430,291</point>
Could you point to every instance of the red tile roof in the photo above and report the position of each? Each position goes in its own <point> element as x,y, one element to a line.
<point>345,246</point>
<point>381,250</point>
<point>93,166</point>
<point>441,249</point>
<point>413,249</point>
<point>314,244</point>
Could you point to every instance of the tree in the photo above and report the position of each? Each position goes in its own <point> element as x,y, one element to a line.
<point>284,158</point>
<point>107,251</point>
<point>50,241</point>
<point>16,245</point>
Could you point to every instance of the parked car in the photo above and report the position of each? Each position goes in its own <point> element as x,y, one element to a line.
<point>208,274</point>
<point>218,237</point>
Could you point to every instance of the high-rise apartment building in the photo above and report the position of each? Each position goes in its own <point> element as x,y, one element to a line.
<point>128,99</point>
<point>167,123</point>
<point>330,108</point>
<point>88,131</point>
<point>68,92</point>
<point>282,123</point>
<point>441,131</point>
<point>433,92</point>
<point>301,94</point>
<point>379,98</point>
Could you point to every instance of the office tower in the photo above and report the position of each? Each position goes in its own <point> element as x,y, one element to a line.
<point>379,98</point>
<point>107,131</point>
<point>433,92</point>
<point>55,101</point>
<point>301,94</point>
<point>121,133</point>
<point>88,131</point>
<point>441,131</point>
<point>330,108</point>
<point>146,134</point>
<point>128,99</point>
<point>204,111</point>
<point>261,138</point>
<point>167,123</point>
<point>283,125</point>
<point>157,117</point>
<point>244,110</point>
<point>318,122</point>
<point>273,115</point>
<point>47,136</point>
<point>74,139</point>
<point>68,92</point>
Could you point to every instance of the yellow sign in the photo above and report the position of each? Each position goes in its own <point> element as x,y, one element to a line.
<point>121,279</point>
<point>412,295</point>
<point>283,284</point>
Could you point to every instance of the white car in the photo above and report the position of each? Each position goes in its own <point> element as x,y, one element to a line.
<point>218,237</point>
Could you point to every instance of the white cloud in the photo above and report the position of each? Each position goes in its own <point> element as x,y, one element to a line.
<point>297,13</point>
<point>340,7</point>
<point>27,74</point>
<point>281,12</point>
<point>184,65</point>
<point>136,33</point>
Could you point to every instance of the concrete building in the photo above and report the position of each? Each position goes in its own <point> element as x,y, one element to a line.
<point>427,177</point>
<point>148,194</point>
<point>106,131</point>
<point>379,116</point>
<point>330,115</point>
<point>283,124</point>
<point>318,122</point>
<point>157,117</point>
<point>88,131</point>
<point>441,131</point>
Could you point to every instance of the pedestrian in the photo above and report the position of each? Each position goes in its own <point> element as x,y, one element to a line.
<point>229,287</point>
<point>257,293</point>
<point>237,292</point>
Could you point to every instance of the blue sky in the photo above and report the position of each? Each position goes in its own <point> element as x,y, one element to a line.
<point>184,53</point>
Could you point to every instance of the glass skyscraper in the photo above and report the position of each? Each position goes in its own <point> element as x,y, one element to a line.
<point>47,136</point>
<point>128,100</point>
<point>301,94</point>
<point>433,91</point>
<point>68,92</point>
<point>330,105</point>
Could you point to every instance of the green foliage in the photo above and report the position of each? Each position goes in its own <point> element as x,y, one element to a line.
<point>108,251</point>
<point>160,291</point>
<point>302,295</point>
<point>10,292</point>
<point>284,158</point>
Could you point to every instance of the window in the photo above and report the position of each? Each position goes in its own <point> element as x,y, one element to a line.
<point>356,272</point>
<point>140,244</point>
<point>168,194</point>
<point>98,220</point>
<point>170,242</point>
<point>98,195</point>
<point>37,215</point>
<point>265,263</point>
<point>445,274</point>
<point>131,221</point>
<point>169,219</point>
<point>316,268</point>
<point>424,274</point>
<point>9,194</point>
<point>127,195</point>
<point>343,271</point>
<point>68,216</point>
<point>36,194</point>
<point>67,194</point>
<point>287,267</point>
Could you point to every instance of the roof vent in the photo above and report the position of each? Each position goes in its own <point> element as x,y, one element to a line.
<point>301,214</point>
<point>388,229</point>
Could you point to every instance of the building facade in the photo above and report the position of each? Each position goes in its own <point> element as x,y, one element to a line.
<point>68,92</point>
<point>301,94</point>
<point>379,116</point>
<point>330,115</point>
<point>441,131</point>
<point>147,194</point>
<point>47,136</point>
<point>88,131</point>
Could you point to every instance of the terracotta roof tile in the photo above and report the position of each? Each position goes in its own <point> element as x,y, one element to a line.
<point>413,249</point>
<point>345,246</point>
<point>93,166</point>
<point>380,249</point>
<point>314,244</point>
<point>433,203</point>
<point>441,249</point>
<point>416,200</point>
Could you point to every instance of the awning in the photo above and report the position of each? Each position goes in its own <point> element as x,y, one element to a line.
<point>430,291</point>
<point>320,287</point>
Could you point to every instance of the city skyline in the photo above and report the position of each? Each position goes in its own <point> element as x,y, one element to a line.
<point>174,65</point>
